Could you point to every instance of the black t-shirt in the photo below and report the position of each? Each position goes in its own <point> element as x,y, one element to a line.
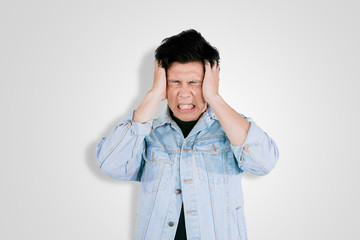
<point>184,126</point>
<point>186,129</point>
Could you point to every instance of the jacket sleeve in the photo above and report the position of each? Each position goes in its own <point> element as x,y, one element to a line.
<point>119,154</point>
<point>259,153</point>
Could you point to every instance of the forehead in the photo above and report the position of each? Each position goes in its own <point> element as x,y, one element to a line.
<point>192,70</point>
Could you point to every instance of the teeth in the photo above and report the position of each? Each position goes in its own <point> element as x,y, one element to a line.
<point>186,106</point>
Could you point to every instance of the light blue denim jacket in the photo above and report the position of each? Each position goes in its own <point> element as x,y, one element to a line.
<point>203,171</point>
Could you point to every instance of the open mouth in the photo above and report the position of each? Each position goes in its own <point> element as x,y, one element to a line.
<point>186,107</point>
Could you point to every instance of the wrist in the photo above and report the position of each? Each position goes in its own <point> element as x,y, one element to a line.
<point>147,108</point>
<point>213,99</point>
<point>158,94</point>
<point>155,94</point>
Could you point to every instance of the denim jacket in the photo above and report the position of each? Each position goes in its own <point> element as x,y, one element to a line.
<point>202,171</point>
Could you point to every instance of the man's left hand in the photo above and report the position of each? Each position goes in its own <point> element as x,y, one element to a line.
<point>211,81</point>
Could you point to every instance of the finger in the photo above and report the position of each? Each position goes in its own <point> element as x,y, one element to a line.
<point>157,64</point>
<point>207,66</point>
<point>214,63</point>
<point>215,66</point>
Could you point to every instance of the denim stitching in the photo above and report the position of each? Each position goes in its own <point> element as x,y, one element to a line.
<point>192,173</point>
<point>167,212</point>
<point>247,149</point>
<point>160,174</point>
<point>154,195</point>
<point>210,138</point>
<point>128,164</point>
<point>237,212</point>
<point>212,196</point>
<point>115,145</point>
<point>190,211</point>
<point>212,151</point>
<point>227,199</point>
<point>198,168</point>
<point>155,159</point>
<point>148,216</point>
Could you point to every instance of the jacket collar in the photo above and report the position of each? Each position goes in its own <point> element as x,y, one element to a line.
<point>165,118</point>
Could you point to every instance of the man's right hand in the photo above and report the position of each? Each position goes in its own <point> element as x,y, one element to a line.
<point>159,85</point>
<point>147,108</point>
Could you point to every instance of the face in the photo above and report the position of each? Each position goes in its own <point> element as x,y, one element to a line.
<point>184,90</point>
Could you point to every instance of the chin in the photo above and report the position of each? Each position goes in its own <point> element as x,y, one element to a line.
<point>187,117</point>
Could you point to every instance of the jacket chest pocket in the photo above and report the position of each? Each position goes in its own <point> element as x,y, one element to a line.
<point>214,160</point>
<point>157,169</point>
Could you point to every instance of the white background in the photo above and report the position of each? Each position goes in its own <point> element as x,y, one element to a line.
<point>70,70</point>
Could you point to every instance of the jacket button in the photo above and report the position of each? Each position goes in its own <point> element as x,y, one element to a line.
<point>171,224</point>
<point>178,191</point>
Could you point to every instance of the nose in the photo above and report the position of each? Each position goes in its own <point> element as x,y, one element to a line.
<point>184,92</point>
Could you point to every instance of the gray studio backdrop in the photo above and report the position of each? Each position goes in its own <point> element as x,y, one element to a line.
<point>70,70</point>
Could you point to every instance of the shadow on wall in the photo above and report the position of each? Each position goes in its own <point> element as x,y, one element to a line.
<point>145,80</point>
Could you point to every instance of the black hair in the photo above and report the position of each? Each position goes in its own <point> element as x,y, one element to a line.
<point>187,46</point>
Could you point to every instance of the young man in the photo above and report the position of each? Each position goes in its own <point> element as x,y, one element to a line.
<point>190,160</point>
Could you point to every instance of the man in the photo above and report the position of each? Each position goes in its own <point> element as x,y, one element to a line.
<point>190,160</point>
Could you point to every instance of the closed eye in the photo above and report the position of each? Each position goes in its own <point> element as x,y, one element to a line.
<point>174,81</point>
<point>195,82</point>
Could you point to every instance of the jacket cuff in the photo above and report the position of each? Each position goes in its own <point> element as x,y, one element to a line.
<point>252,138</point>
